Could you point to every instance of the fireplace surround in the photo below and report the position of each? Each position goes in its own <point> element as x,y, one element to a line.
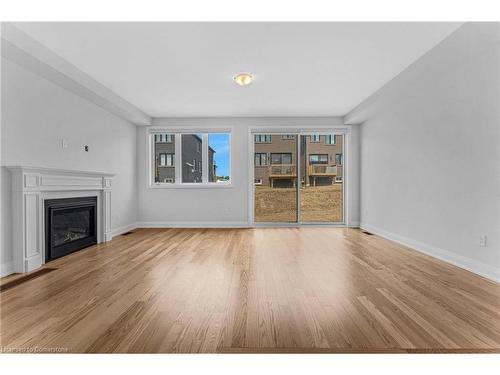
<point>32,187</point>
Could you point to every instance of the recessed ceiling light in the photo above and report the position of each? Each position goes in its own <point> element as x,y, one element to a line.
<point>243,79</point>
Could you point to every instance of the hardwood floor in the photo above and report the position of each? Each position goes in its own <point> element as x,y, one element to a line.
<point>251,290</point>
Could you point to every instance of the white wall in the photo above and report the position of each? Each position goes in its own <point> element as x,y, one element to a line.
<point>223,206</point>
<point>430,154</point>
<point>36,114</point>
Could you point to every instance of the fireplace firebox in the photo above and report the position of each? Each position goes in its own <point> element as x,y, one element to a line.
<point>70,225</point>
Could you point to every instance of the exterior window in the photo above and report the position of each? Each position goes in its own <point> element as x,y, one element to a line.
<point>164,156</point>
<point>260,159</point>
<point>164,138</point>
<point>282,158</point>
<point>162,160</point>
<point>166,160</point>
<point>262,138</point>
<point>315,138</point>
<point>195,156</point>
<point>218,157</point>
<point>287,136</point>
<point>318,159</point>
<point>338,159</point>
<point>330,139</point>
<point>258,181</point>
<point>191,158</point>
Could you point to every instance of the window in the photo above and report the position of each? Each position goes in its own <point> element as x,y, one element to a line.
<point>191,158</point>
<point>338,178</point>
<point>330,139</point>
<point>162,160</point>
<point>166,160</point>
<point>260,159</point>
<point>282,158</point>
<point>164,138</point>
<point>262,138</point>
<point>338,159</point>
<point>204,158</point>
<point>318,159</point>
<point>218,157</point>
<point>315,138</point>
<point>170,160</point>
<point>258,181</point>
<point>164,156</point>
<point>287,136</point>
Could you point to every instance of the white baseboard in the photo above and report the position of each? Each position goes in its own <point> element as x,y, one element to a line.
<point>7,269</point>
<point>233,224</point>
<point>471,265</point>
<point>193,224</point>
<point>124,229</point>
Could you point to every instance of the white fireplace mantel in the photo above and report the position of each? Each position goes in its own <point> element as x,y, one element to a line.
<point>31,186</point>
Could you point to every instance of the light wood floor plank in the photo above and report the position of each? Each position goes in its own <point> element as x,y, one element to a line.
<point>283,290</point>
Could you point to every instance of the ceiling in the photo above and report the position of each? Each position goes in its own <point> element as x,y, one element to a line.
<point>186,69</point>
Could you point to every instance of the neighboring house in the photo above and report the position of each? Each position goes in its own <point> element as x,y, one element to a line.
<point>275,160</point>
<point>191,159</point>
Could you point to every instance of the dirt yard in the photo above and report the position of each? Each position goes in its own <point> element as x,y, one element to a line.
<point>320,203</point>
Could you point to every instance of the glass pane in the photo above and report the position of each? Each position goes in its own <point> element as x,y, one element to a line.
<point>218,158</point>
<point>275,158</point>
<point>275,183</point>
<point>70,225</point>
<point>321,191</point>
<point>192,157</point>
<point>164,148</point>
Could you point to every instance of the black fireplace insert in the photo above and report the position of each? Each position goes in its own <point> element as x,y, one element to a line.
<point>70,225</point>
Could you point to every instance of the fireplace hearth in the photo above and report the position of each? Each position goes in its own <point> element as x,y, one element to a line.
<point>70,225</point>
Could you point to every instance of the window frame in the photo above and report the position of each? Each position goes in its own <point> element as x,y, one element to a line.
<point>319,162</point>
<point>162,157</point>
<point>281,157</point>
<point>177,134</point>
<point>265,138</point>
<point>260,159</point>
<point>168,156</point>
<point>313,137</point>
<point>163,138</point>
<point>331,137</point>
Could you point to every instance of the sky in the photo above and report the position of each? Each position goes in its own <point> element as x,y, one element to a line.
<point>220,143</point>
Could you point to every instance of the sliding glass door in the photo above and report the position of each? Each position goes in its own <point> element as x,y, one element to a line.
<point>275,178</point>
<point>321,170</point>
<point>298,178</point>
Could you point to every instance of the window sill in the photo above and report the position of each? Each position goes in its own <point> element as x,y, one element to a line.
<point>191,186</point>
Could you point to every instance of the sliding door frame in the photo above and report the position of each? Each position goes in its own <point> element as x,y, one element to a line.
<point>299,131</point>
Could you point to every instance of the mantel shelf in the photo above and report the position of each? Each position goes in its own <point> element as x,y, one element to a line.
<point>35,169</point>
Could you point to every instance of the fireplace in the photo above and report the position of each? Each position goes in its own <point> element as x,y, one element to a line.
<point>70,225</point>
